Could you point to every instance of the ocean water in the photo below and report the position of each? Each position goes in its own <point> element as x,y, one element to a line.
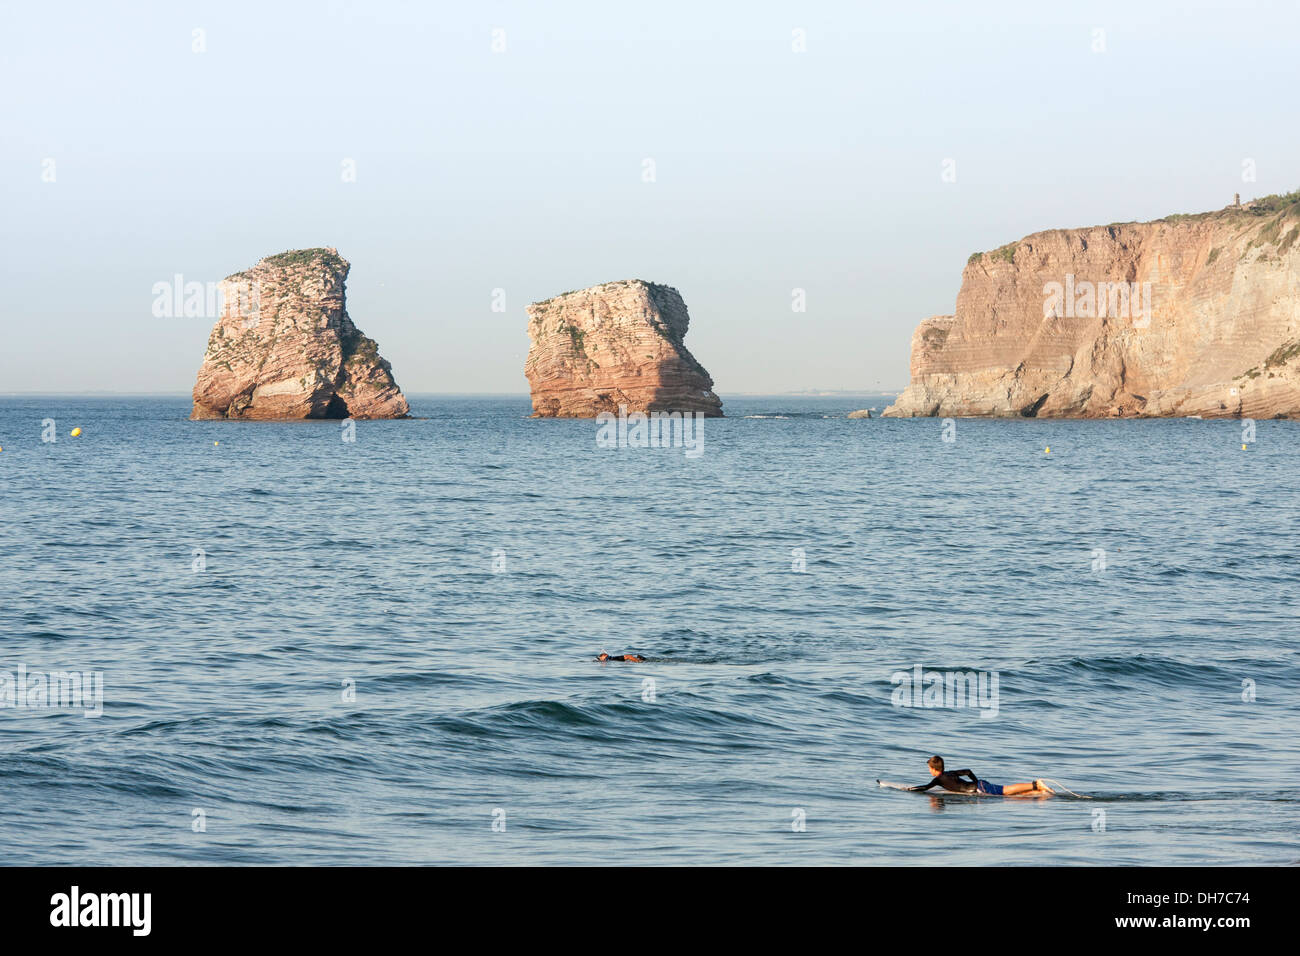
<point>387,652</point>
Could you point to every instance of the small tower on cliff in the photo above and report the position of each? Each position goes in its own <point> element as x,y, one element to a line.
<point>1236,200</point>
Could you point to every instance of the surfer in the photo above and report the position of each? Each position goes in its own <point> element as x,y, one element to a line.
<point>630,658</point>
<point>952,780</point>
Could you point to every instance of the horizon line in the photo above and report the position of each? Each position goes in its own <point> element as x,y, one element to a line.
<point>104,393</point>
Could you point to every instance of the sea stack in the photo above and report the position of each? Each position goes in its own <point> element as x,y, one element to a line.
<point>1191,315</point>
<point>615,344</point>
<point>284,347</point>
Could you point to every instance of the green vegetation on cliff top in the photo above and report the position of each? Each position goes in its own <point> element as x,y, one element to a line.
<point>1265,206</point>
<point>301,257</point>
<point>329,258</point>
<point>1279,205</point>
<point>646,282</point>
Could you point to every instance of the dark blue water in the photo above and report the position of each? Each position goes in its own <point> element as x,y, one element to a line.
<point>459,573</point>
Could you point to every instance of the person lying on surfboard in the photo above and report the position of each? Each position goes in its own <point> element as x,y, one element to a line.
<point>951,780</point>
<point>630,658</point>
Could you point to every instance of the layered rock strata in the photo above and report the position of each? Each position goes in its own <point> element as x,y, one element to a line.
<point>285,348</point>
<point>1194,315</point>
<point>616,344</point>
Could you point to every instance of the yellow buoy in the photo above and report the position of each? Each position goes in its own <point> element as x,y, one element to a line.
<point>1047,450</point>
<point>76,432</point>
<point>1243,447</point>
<point>216,443</point>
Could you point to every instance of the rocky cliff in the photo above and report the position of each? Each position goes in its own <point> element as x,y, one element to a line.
<point>284,347</point>
<point>1188,315</point>
<point>615,344</point>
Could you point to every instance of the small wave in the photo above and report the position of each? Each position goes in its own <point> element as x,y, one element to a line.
<point>1243,793</point>
<point>1147,665</point>
<point>544,712</point>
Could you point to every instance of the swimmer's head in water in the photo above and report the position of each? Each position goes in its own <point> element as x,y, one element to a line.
<point>603,656</point>
<point>936,765</point>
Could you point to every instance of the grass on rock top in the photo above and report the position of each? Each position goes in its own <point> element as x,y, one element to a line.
<point>302,257</point>
<point>1278,205</point>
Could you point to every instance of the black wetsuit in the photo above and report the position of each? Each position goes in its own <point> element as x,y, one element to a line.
<point>951,780</point>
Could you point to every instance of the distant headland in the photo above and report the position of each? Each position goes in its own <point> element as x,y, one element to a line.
<point>1190,315</point>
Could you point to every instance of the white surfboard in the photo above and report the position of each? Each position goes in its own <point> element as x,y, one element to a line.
<point>888,785</point>
<point>931,793</point>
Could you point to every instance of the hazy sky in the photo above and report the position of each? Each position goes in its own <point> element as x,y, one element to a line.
<point>524,169</point>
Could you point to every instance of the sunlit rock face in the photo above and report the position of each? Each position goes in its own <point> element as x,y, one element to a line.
<point>284,347</point>
<point>1190,315</point>
<point>616,344</point>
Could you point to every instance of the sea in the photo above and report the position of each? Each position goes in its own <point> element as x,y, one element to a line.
<point>328,643</point>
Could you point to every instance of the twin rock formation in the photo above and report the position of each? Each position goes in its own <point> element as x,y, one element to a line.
<point>285,348</point>
<point>1195,315</point>
<point>1189,315</point>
